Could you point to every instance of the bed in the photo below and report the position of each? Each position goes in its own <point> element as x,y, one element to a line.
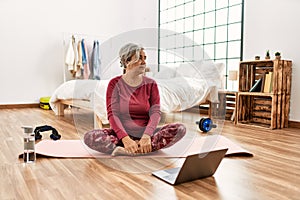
<point>180,87</point>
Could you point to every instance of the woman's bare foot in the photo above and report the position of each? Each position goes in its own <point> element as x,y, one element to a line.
<point>120,151</point>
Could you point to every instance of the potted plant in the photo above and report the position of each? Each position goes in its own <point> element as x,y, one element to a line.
<point>277,55</point>
<point>267,55</point>
<point>257,57</point>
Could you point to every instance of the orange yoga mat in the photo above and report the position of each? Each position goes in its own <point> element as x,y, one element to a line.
<point>186,146</point>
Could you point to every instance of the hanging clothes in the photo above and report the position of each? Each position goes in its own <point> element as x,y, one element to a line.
<point>79,61</point>
<point>74,44</point>
<point>85,62</point>
<point>70,56</point>
<point>95,62</point>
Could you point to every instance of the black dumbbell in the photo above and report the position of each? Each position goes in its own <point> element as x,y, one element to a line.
<point>54,136</point>
<point>206,124</point>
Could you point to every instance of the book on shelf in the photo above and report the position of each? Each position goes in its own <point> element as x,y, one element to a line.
<point>263,77</point>
<point>271,83</point>
<point>257,86</point>
<point>268,85</point>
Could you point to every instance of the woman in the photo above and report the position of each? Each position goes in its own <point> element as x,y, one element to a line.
<point>133,109</point>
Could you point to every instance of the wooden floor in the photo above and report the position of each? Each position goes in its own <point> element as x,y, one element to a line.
<point>273,172</point>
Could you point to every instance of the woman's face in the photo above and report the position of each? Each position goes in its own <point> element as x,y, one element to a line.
<point>139,65</point>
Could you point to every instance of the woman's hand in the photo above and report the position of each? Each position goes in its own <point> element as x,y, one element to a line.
<point>145,144</point>
<point>130,145</point>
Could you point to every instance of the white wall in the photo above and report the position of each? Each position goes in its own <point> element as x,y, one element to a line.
<point>32,34</point>
<point>272,24</point>
<point>32,31</point>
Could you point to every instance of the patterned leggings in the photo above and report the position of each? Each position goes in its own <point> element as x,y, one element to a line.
<point>105,140</point>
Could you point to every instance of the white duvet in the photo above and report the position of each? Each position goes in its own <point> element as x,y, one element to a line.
<point>176,94</point>
<point>180,88</point>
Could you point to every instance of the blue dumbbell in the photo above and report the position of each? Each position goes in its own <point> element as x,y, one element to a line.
<point>206,124</point>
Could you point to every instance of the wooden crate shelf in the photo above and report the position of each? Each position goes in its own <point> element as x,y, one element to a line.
<point>227,105</point>
<point>225,108</point>
<point>269,109</point>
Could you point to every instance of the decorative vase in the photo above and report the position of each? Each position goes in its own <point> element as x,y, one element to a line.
<point>267,57</point>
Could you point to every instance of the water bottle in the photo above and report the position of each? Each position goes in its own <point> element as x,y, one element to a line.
<point>29,143</point>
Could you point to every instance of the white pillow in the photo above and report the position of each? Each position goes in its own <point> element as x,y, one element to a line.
<point>165,73</point>
<point>188,69</point>
<point>201,69</point>
<point>212,70</point>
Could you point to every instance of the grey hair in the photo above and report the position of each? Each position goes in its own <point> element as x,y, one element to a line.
<point>127,51</point>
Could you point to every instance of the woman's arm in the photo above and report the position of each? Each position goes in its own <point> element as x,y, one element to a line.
<point>154,112</point>
<point>113,108</point>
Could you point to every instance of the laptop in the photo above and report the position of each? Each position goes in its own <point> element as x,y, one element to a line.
<point>195,166</point>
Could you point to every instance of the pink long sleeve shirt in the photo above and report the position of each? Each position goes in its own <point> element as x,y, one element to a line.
<point>133,110</point>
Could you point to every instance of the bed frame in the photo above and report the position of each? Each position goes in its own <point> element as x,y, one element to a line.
<point>62,104</point>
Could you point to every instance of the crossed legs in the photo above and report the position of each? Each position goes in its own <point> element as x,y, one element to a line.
<point>106,141</point>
